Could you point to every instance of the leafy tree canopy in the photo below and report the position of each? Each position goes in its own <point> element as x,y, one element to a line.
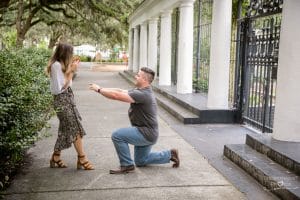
<point>104,21</point>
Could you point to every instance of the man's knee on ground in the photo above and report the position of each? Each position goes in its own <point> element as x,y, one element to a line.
<point>140,161</point>
<point>116,135</point>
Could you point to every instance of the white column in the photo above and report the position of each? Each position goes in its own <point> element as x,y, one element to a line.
<point>220,55</point>
<point>152,45</point>
<point>143,45</point>
<point>165,49</point>
<point>130,50</point>
<point>185,48</point>
<point>135,61</point>
<point>287,106</point>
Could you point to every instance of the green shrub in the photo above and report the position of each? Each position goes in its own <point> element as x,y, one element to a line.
<point>85,58</point>
<point>25,105</point>
<point>9,38</point>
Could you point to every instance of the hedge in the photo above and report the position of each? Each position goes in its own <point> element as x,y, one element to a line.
<point>25,105</point>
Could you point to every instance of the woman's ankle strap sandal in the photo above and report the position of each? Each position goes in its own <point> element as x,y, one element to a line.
<point>86,164</point>
<point>57,163</point>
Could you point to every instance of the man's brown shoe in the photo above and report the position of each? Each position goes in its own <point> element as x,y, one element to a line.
<point>122,170</point>
<point>175,158</point>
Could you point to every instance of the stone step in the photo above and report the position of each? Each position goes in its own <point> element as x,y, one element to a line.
<point>130,73</point>
<point>177,100</point>
<point>274,177</point>
<point>179,112</point>
<point>282,152</point>
<point>128,77</point>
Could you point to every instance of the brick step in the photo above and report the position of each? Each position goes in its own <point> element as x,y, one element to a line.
<point>128,77</point>
<point>282,152</point>
<point>271,175</point>
<point>183,115</point>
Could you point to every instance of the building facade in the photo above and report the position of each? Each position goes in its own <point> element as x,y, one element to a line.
<point>150,44</point>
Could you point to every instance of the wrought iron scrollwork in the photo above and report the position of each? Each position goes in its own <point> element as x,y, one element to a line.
<point>264,7</point>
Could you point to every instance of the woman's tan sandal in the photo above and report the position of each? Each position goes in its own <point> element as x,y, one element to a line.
<point>59,163</point>
<point>86,165</point>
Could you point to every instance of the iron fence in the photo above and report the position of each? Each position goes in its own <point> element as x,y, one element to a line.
<point>202,34</point>
<point>256,66</point>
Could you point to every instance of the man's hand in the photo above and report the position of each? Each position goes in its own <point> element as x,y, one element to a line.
<point>94,87</point>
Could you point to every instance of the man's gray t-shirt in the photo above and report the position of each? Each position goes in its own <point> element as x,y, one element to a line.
<point>143,113</point>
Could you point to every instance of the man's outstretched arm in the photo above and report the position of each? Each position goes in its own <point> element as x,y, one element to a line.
<point>112,93</point>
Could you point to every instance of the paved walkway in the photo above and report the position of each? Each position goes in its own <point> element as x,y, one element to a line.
<point>195,179</point>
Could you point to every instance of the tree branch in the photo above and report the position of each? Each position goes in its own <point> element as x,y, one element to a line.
<point>57,10</point>
<point>4,3</point>
<point>35,22</point>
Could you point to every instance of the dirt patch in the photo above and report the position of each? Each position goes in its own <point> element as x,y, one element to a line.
<point>108,67</point>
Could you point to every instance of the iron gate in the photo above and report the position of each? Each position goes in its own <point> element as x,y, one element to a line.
<point>257,60</point>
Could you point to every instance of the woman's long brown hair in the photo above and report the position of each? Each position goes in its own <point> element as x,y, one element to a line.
<point>63,54</point>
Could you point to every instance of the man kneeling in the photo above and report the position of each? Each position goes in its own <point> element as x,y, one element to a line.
<point>144,131</point>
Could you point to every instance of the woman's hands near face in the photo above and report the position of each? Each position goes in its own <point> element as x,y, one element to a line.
<point>75,63</point>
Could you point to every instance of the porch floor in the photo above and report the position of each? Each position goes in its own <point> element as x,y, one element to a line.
<point>196,100</point>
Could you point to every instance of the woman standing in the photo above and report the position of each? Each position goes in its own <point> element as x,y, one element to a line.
<point>61,68</point>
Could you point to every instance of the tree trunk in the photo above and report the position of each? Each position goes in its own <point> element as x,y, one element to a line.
<point>55,37</point>
<point>52,42</point>
<point>20,35</point>
<point>20,38</point>
<point>23,25</point>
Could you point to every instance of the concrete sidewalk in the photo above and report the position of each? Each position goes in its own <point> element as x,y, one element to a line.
<point>195,179</point>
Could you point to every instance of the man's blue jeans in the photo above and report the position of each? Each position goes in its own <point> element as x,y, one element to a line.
<point>142,148</point>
